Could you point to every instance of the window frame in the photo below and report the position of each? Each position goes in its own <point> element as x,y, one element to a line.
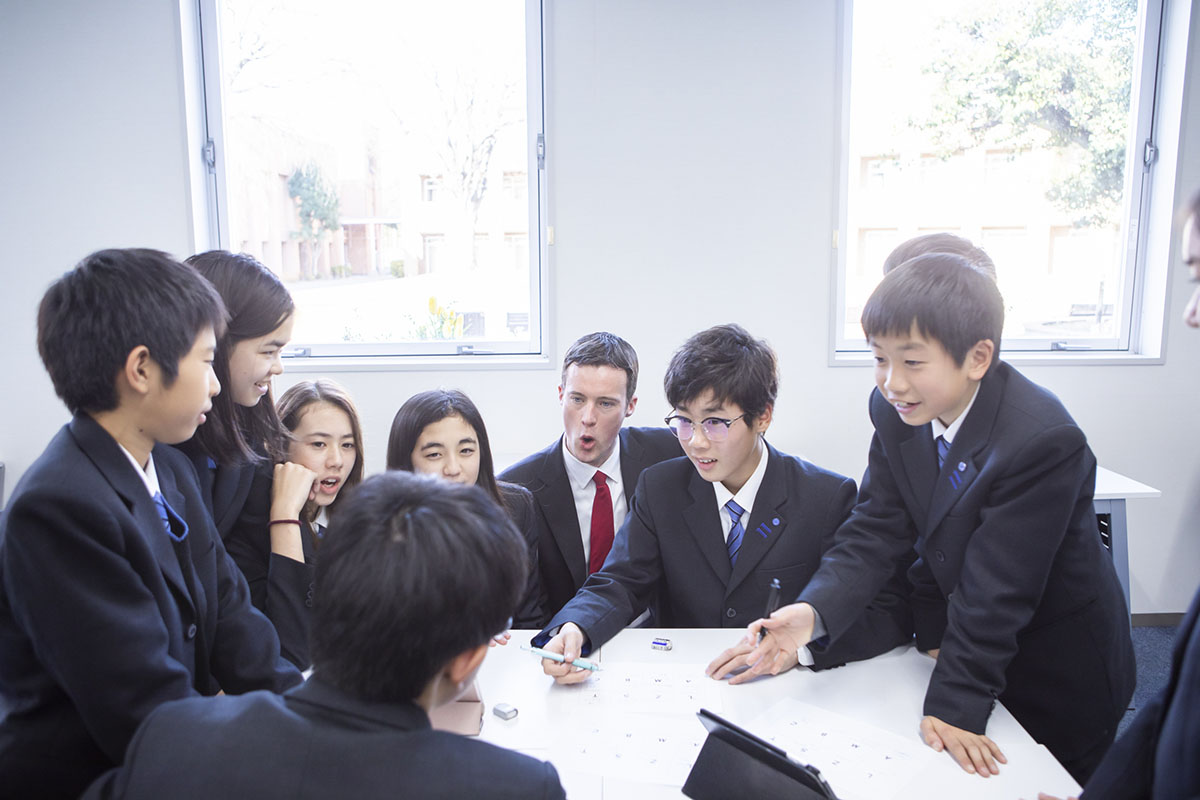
<point>213,229</point>
<point>1140,169</point>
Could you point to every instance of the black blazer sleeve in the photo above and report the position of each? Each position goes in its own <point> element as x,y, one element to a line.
<point>866,549</point>
<point>280,587</point>
<point>614,595</point>
<point>518,502</point>
<point>887,620</point>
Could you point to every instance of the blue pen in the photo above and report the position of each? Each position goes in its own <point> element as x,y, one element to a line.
<point>579,662</point>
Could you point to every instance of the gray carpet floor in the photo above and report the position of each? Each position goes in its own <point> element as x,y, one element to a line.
<point>1152,647</point>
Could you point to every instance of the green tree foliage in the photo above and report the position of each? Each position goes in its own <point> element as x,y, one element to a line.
<point>1028,74</point>
<point>317,206</point>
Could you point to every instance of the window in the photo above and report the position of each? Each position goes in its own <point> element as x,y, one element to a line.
<point>1020,126</point>
<point>355,147</point>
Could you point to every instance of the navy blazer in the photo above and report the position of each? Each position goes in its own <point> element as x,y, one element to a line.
<point>1156,756</point>
<point>1012,581</point>
<point>561,560</point>
<point>225,489</point>
<point>672,543</point>
<point>280,587</point>
<point>97,625</point>
<point>314,742</point>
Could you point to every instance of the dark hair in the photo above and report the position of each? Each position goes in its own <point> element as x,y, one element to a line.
<point>426,408</point>
<point>292,405</point>
<point>603,349</point>
<point>945,297</point>
<point>731,363</point>
<point>258,303</point>
<point>940,243</point>
<point>113,301</point>
<point>413,572</point>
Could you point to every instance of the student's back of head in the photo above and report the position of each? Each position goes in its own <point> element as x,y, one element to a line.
<point>940,243</point>
<point>113,301</point>
<point>944,297</point>
<point>731,363</point>
<point>413,572</point>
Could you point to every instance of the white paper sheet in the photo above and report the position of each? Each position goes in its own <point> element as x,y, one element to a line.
<point>860,761</point>
<point>642,688</point>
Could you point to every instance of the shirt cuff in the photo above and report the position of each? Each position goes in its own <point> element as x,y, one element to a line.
<point>803,655</point>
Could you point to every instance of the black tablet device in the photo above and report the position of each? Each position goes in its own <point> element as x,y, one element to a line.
<point>736,763</point>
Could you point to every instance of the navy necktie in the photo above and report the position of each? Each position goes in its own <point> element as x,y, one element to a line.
<point>734,542</point>
<point>943,447</point>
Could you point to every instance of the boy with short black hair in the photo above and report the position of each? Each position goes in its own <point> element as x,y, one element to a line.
<point>987,475</point>
<point>415,576</point>
<point>116,594</point>
<point>707,533</point>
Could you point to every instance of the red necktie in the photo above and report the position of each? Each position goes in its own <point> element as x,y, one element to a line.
<point>602,524</point>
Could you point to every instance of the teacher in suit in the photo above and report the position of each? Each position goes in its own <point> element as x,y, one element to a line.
<point>582,484</point>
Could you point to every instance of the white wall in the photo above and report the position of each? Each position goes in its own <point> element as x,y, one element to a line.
<point>691,143</point>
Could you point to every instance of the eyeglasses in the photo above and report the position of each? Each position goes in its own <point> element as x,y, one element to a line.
<point>715,429</point>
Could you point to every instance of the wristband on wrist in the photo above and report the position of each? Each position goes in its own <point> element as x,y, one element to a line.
<point>283,522</point>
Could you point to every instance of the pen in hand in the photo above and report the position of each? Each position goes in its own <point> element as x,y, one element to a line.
<point>579,662</point>
<point>772,605</point>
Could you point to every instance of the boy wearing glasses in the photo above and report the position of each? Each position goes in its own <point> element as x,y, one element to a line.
<point>708,533</point>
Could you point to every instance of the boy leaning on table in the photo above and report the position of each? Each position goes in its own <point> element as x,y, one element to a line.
<point>707,533</point>
<point>987,476</point>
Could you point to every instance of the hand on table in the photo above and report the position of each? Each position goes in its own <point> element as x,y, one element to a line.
<point>569,642</point>
<point>500,638</point>
<point>786,631</point>
<point>974,752</point>
<point>1044,796</point>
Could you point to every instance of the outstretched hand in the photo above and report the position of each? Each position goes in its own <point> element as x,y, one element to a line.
<point>784,633</point>
<point>974,752</point>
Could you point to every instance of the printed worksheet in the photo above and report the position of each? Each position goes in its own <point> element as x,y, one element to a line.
<point>859,760</point>
<point>614,744</point>
<point>646,689</point>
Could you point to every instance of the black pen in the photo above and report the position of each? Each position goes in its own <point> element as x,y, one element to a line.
<point>772,605</point>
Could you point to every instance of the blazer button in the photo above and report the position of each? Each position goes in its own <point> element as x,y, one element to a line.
<point>191,632</point>
<point>939,555</point>
<point>731,613</point>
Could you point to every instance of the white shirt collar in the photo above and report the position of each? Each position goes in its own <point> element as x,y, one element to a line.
<point>745,496</point>
<point>149,475</point>
<point>949,433</point>
<point>580,474</point>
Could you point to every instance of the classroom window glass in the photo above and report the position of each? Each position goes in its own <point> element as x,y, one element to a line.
<point>1020,126</point>
<point>371,154</point>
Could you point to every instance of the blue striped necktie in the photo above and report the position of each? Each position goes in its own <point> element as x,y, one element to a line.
<point>943,448</point>
<point>734,542</point>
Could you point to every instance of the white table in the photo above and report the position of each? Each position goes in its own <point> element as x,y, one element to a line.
<point>1112,490</point>
<point>886,692</point>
